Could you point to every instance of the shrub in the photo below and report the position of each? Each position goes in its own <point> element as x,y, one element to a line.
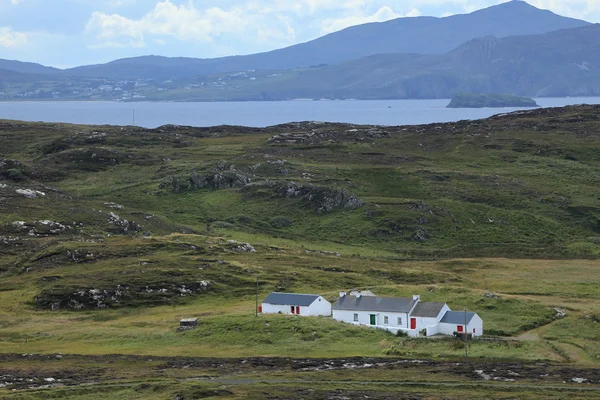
<point>281,222</point>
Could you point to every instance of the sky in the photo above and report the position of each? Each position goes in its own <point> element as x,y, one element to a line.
<point>68,33</point>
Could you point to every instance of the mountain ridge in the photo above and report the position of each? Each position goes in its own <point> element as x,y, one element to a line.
<point>428,35</point>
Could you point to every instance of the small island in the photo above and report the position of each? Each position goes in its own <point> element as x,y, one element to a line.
<point>490,100</point>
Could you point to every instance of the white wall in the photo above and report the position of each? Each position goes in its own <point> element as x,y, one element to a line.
<point>427,322</point>
<point>275,308</point>
<point>318,307</point>
<point>475,323</point>
<point>364,318</point>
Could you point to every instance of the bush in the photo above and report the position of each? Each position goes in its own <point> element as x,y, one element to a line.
<point>402,333</point>
<point>281,222</point>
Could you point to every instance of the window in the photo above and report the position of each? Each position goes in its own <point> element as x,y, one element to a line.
<point>399,320</point>
<point>386,320</point>
<point>355,317</point>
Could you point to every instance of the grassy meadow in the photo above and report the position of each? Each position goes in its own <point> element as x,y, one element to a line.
<point>129,230</point>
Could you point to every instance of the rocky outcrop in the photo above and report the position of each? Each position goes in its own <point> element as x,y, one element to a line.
<point>322,199</point>
<point>14,170</point>
<point>122,225</point>
<point>30,193</point>
<point>40,228</point>
<point>223,176</point>
<point>121,295</point>
<point>316,135</point>
<point>241,247</point>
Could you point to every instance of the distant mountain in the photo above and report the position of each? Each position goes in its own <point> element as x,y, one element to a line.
<point>26,67</point>
<point>422,35</point>
<point>562,63</point>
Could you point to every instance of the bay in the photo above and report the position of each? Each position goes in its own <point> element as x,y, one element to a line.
<point>259,114</point>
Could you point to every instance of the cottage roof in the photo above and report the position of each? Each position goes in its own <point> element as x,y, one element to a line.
<point>291,299</point>
<point>373,303</point>
<point>457,317</point>
<point>426,309</point>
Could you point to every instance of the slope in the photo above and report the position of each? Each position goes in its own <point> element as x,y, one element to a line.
<point>424,35</point>
<point>561,63</point>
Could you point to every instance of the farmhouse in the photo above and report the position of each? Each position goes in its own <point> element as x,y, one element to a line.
<point>409,315</point>
<point>296,304</point>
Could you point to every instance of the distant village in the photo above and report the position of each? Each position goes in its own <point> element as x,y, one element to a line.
<point>88,88</point>
<point>409,316</point>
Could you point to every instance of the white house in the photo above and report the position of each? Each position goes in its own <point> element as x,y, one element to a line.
<point>412,316</point>
<point>426,316</point>
<point>379,312</point>
<point>296,304</point>
<point>461,321</point>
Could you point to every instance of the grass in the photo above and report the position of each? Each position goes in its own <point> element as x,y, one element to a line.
<point>498,216</point>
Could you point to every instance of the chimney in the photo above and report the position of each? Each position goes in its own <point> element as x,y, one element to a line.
<point>416,297</point>
<point>342,294</point>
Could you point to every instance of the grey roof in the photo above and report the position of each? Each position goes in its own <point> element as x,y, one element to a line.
<point>291,299</point>
<point>430,310</point>
<point>372,303</point>
<point>457,317</point>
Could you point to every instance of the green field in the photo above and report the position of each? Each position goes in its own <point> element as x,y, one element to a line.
<point>110,235</point>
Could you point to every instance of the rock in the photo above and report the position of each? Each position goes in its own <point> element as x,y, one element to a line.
<point>30,194</point>
<point>490,295</point>
<point>321,199</point>
<point>242,247</point>
<point>123,225</point>
<point>40,228</point>
<point>559,313</point>
<point>220,180</point>
<point>420,236</point>
<point>114,206</point>
<point>315,133</point>
<point>3,186</point>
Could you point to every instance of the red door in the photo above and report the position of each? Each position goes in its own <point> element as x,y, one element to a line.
<point>459,328</point>
<point>260,309</point>
<point>413,323</point>
<point>292,309</point>
<point>297,310</point>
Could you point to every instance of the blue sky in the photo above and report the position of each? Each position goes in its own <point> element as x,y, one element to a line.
<point>66,33</point>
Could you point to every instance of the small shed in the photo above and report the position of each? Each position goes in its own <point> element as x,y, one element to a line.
<point>295,304</point>
<point>461,322</point>
<point>187,324</point>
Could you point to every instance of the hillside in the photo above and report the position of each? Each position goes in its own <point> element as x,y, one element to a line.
<point>520,185</point>
<point>109,235</point>
<point>556,64</point>
<point>428,35</point>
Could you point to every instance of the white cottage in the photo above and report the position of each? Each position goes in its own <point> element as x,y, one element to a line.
<point>388,313</point>
<point>461,322</point>
<point>295,304</point>
<point>412,316</point>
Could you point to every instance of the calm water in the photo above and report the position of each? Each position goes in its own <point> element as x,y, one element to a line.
<point>151,115</point>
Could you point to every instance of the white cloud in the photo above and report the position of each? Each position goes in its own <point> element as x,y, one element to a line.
<point>385,13</point>
<point>10,38</point>
<point>184,22</point>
